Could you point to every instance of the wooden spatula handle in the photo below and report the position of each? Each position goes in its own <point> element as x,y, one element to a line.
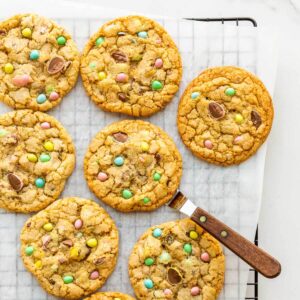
<point>249,252</point>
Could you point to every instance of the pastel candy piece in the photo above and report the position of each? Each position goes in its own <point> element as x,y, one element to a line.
<point>148,283</point>
<point>40,182</point>
<point>157,232</point>
<point>38,264</point>
<point>145,146</point>
<point>68,279</point>
<point>149,261</point>
<point>48,227</point>
<point>100,41</point>
<point>156,85</point>
<point>21,80</point>
<point>238,118</point>
<point>8,68</point>
<point>102,75</point>
<point>49,146</point>
<point>164,258</point>
<point>32,157</point>
<point>121,77</point>
<point>119,161</point>
<point>94,275</point>
<point>158,63</point>
<point>26,32</point>
<point>34,54</point>
<point>3,132</point>
<point>230,91</point>
<point>143,34</point>
<point>102,176</point>
<point>41,98</point>
<point>195,291</point>
<point>53,96</point>
<point>238,139</point>
<point>187,248</point>
<point>208,144</point>
<point>126,194</point>
<point>193,235</point>
<point>45,157</point>
<point>45,125</point>
<point>92,243</point>
<point>168,292</point>
<point>29,250</point>
<point>61,40</point>
<point>78,224</point>
<point>205,257</point>
<point>156,176</point>
<point>146,200</point>
<point>195,95</point>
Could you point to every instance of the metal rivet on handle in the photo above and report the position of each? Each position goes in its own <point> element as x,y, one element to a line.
<point>224,233</point>
<point>202,219</point>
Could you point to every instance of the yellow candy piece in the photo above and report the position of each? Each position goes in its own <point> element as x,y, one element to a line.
<point>8,68</point>
<point>238,118</point>
<point>48,227</point>
<point>38,264</point>
<point>101,75</point>
<point>74,253</point>
<point>92,243</point>
<point>26,32</point>
<point>32,157</point>
<point>145,146</point>
<point>49,146</point>
<point>193,235</point>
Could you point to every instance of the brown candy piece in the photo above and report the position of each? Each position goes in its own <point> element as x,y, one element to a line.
<point>122,96</point>
<point>255,118</point>
<point>119,56</point>
<point>173,276</point>
<point>99,261</point>
<point>15,182</point>
<point>56,65</point>
<point>120,137</point>
<point>216,110</point>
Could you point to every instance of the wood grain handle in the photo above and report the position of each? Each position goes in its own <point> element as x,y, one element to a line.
<point>258,259</point>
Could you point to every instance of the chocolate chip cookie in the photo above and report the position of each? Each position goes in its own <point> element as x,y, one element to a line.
<point>131,66</point>
<point>177,260</point>
<point>37,156</point>
<point>39,62</point>
<point>133,165</point>
<point>224,115</point>
<point>109,296</point>
<point>71,247</point>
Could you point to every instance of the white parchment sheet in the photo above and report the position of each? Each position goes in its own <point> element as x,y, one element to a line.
<point>232,194</point>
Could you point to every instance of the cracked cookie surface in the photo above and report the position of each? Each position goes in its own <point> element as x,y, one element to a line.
<point>177,260</point>
<point>224,115</point>
<point>133,165</point>
<point>37,156</point>
<point>71,247</point>
<point>109,296</point>
<point>39,62</point>
<point>131,66</point>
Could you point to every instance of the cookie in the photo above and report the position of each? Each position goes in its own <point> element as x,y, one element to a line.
<point>109,296</point>
<point>224,115</point>
<point>177,260</point>
<point>37,156</point>
<point>131,66</point>
<point>71,247</point>
<point>39,62</point>
<point>133,165</point>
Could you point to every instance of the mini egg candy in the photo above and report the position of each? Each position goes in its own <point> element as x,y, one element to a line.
<point>92,243</point>
<point>38,264</point>
<point>146,200</point>
<point>238,118</point>
<point>193,235</point>
<point>39,182</point>
<point>26,32</point>
<point>101,75</point>
<point>68,279</point>
<point>149,261</point>
<point>49,146</point>
<point>34,54</point>
<point>230,92</point>
<point>41,98</point>
<point>158,63</point>
<point>48,227</point>
<point>32,157</point>
<point>21,80</point>
<point>102,176</point>
<point>168,292</point>
<point>121,77</point>
<point>53,96</point>
<point>195,95</point>
<point>74,252</point>
<point>148,283</point>
<point>156,85</point>
<point>45,125</point>
<point>195,291</point>
<point>61,40</point>
<point>238,139</point>
<point>156,176</point>
<point>78,224</point>
<point>94,275</point>
<point>8,68</point>
<point>145,146</point>
<point>119,161</point>
<point>100,41</point>
<point>45,157</point>
<point>157,232</point>
<point>29,250</point>
<point>142,34</point>
<point>205,257</point>
<point>187,248</point>
<point>164,258</point>
<point>126,194</point>
<point>208,144</point>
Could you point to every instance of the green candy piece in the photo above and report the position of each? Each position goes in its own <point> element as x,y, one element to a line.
<point>29,250</point>
<point>146,200</point>
<point>40,182</point>
<point>126,194</point>
<point>93,65</point>
<point>49,89</point>
<point>100,41</point>
<point>149,261</point>
<point>230,92</point>
<point>44,157</point>
<point>187,248</point>
<point>156,85</point>
<point>68,279</point>
<point>61,40</point>
<point>3,132</point>
<point>156,176</point>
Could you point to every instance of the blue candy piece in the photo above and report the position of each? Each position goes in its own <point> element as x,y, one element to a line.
<point>143,34</point>
<point>41,98</point>
<point>157,232</point>
<point>34,54</point>
<point>195,95</point>
<point>148,283</point>
<point>119,161</point>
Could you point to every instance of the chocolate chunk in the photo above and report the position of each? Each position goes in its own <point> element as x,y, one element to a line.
<point>99,261</point>
<point>56,65</point>
<point>122,96</point>
<point>255,118</point>
<point>119,56</point>
<point>68,243</point>
<point>173,276</point>
<point>15,182</point>
<point>158,157</point>
<point>28,224</point>
<point>2,32</point>
<point>121,33</point>
<point>51,281</point>
<point>169,239</point>
<point>120,137</point>
<point>216,110</point>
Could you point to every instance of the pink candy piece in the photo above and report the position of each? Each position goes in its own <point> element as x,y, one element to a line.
<point>21,80</point>
<point>208,144</point>
<point>205,257</point>
<point>102,176</point>
<point>158,63</point>
<point>122,77</point>
<point>195,291</point>
<point>237,139</point>
<point>45,125</point>
<point>94,275</point>
<point>53,96</point>
<point>158,41</point>
<point>78,224</point>
<point>168,292</point>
